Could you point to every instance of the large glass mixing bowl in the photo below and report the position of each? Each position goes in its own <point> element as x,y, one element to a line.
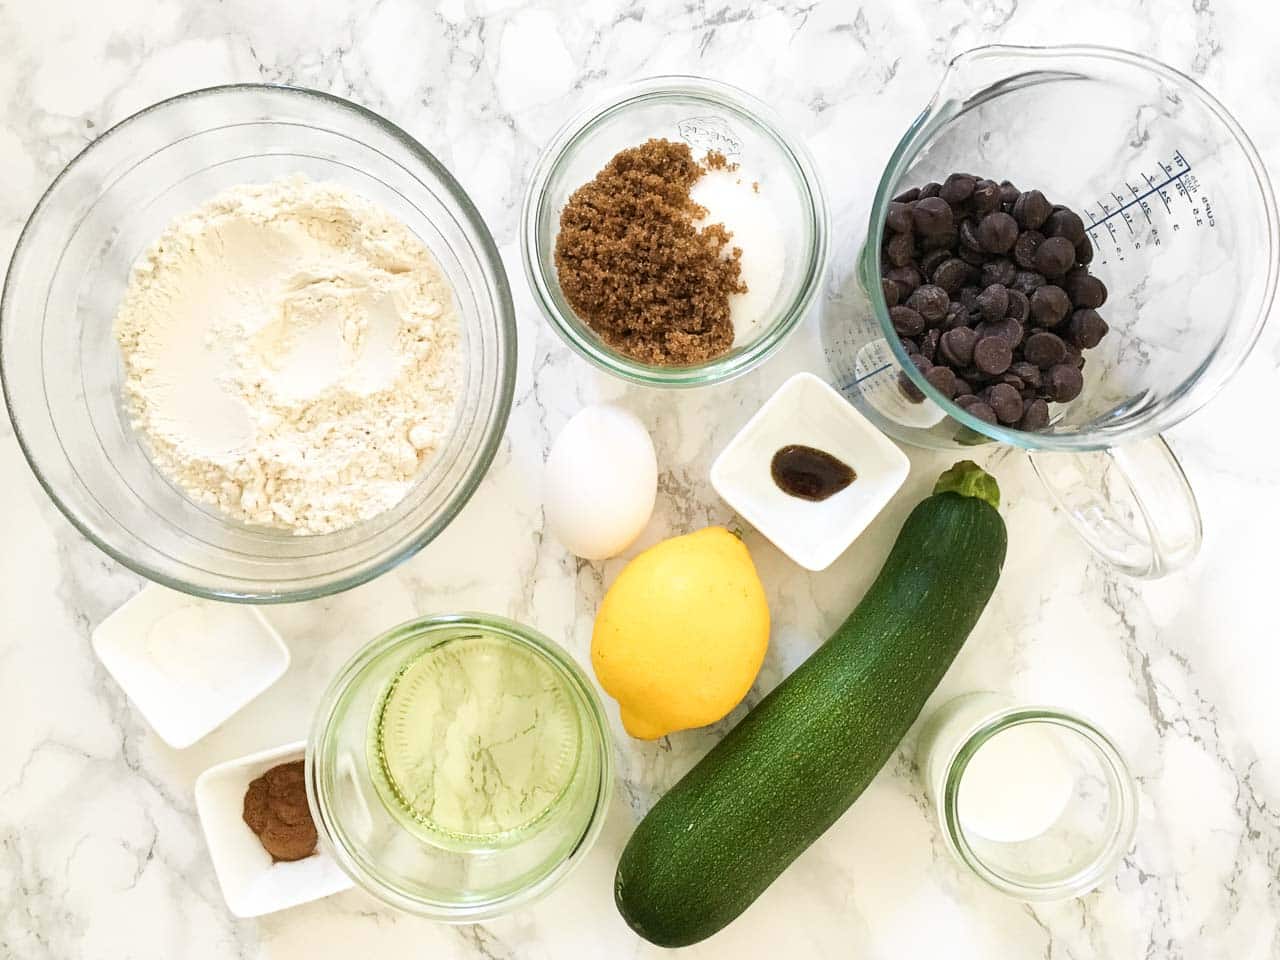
<point>61,367</point>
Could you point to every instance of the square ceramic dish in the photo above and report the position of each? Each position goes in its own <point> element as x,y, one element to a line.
<point>186,663</point>
<point>252,883</point>
<point>806,411</point>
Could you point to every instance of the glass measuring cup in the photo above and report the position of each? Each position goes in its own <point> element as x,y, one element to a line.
<point>1183,221</point>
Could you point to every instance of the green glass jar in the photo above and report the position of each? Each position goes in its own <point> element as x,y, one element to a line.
<point>459,766</point>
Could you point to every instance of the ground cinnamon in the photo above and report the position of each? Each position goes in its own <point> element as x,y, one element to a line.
<point>275,808</point>
<point>636,267</point>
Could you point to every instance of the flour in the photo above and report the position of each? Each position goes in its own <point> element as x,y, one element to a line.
<point>292,355</point>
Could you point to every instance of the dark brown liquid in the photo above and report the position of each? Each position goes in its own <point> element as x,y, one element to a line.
<point>810,474</point>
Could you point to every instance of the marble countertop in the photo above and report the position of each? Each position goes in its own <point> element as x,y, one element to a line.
<point>101,855</point>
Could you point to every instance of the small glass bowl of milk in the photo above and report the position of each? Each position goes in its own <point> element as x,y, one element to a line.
<point>1035,800</point>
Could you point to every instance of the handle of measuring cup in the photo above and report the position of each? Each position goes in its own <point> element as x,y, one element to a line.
<point>1132,504</point>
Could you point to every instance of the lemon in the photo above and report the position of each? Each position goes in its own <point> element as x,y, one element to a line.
<point>681,634</point>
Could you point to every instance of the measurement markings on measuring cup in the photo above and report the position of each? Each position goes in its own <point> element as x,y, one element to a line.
<point>1174,179</point>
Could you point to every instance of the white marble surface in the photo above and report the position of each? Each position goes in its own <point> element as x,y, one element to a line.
<point>100,853</point>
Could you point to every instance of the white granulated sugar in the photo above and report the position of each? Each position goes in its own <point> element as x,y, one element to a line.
<point>292,354</point>
<point>733,199</point>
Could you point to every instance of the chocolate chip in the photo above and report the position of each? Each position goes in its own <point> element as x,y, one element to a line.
<point>939,241</point>
<point>1035,415</point>
<point>969,297</point>
<point>1067,224</point>
<point>930,301</point>
<point>1049,305</point>
<point>1026,281</point>
<point>909,389</point>
<point>1055,256</point>
<point>930,189</point>
<point>957,316</point>
<point>898,218</point>
<point>929,344</point>
<point>957,188</point>
<point>1000,270</point>
<point>1086,329</point>
<point>992,355</point>
<point>963,388</point>
<point>982,411</point>
<point>1028,373</point>
<point>913,393</point>
<point>907,196</point>
<point>986,198</point>
<point>932,217</point>
<point>1084,289</point>
<point>967,233</point>
<point>1006,402</point>
<point>1005,328</point>
<point>993,301</point>
<point>890,291</point>
<point>1084,251</point>
<point>1065,382</point>
<point>997,232</point>
<point>1008,194</point>
<point>930,262</point>
<point>900,250</point>
<point>1019,306</point>
<point>1044,349</point>
<point>975,258</point>
<point>909,346</point>
<point>951,274</point>
<point>1031,209</point>
<point>907,322</point>
<point>907,279</point>
<point>942,379</point>
<point>956,346</point>
<point>1024,250</point>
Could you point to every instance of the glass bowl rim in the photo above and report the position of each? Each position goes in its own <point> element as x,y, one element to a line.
<point>1117,842</point>
<point>566,138</point>
<point>407,632</point>
<point>928,122</point>
<point>504,309</point>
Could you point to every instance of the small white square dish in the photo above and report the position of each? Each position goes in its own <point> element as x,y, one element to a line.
<point>806,411</point>
<point>187,663</point>
<point>252,883</point>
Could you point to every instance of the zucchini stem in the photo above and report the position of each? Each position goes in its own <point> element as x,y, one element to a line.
<point>969,480</point>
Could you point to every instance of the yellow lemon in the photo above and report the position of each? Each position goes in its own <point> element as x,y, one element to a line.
<point>681,634</point>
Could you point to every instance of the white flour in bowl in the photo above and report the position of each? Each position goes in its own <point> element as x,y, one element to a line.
<point>292,354</point>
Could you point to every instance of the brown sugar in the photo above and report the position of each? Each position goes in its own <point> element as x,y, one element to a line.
<point>635,266</point>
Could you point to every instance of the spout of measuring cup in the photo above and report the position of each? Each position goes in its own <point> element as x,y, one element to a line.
<point>983,73</point>
<point>1131,504</point>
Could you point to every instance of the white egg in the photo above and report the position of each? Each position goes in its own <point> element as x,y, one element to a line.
<point>600,482</point>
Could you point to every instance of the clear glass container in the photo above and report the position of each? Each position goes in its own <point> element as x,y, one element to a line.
<point>706,115</point>
<point>1183,221</point>
<point>395,854</point>
<point>61,366</point>
<point>1034,800</point>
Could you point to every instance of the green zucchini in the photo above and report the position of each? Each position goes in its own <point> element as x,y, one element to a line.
<point>797,761</point>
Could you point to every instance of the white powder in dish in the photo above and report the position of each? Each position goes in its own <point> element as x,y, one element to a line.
<point>292,354</point>
<point>730,197</point>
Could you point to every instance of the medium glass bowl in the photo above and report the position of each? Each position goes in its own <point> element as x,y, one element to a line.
<point>61,366</point>
<point>706,115</point>
<point>406,866</point>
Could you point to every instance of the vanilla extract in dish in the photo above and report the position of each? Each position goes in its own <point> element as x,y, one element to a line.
<point>809,473</point>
